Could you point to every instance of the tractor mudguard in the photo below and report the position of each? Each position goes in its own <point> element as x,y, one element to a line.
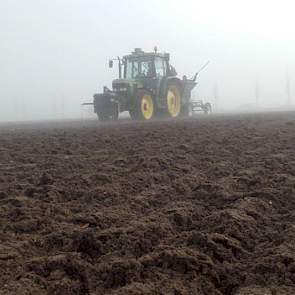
<point>185,86</point>
<point>169,81</point>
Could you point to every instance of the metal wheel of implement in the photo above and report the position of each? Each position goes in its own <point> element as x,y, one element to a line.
<point>207,108</point>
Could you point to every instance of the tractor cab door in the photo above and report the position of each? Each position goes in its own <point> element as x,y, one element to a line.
<point>161,67</point>
<point>146,73</point>
<point>141,71</point>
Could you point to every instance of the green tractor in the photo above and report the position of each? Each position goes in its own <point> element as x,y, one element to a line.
<point>148,87</point>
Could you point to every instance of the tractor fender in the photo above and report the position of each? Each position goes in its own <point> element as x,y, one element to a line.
<point>174,81</point>
<point>169,81</point>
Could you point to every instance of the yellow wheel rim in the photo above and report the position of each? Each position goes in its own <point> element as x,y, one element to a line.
<point>173,101</point>
<point>147,106</point>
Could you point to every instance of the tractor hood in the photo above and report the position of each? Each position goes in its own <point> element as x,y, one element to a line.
<point>121,84</point>
<point>124,84</point>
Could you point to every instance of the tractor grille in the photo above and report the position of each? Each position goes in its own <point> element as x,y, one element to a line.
<point>120,87</point>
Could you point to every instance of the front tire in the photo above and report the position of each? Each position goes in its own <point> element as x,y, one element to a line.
<point>144,106</point>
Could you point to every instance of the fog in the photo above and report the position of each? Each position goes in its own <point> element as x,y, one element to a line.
<point>54,54</point>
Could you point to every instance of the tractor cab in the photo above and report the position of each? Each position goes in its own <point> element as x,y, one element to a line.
<point>149,71</point>
<point>140,65</point>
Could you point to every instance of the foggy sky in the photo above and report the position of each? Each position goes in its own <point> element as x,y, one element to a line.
<point>54,54</point>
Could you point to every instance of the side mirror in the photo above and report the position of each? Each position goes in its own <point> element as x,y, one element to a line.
<point>111,63</point>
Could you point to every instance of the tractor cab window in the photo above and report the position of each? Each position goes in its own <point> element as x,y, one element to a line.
<point>160,66</point>
<point>138,68</point>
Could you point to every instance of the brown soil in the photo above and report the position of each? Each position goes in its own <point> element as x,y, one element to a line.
<point>204,206</point>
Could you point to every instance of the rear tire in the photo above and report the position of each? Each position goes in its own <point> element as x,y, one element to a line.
<point>174,100</point>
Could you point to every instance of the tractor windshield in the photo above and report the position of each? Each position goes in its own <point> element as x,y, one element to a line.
<point>138,68</point>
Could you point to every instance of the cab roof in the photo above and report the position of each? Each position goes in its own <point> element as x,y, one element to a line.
<point>138,52</point>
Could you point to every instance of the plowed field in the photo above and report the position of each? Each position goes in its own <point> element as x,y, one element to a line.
<point>198,206</point>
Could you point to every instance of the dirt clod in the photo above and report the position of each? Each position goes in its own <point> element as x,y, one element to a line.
<point>201,206</point>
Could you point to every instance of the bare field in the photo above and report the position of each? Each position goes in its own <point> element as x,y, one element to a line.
<point>201,206</point>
